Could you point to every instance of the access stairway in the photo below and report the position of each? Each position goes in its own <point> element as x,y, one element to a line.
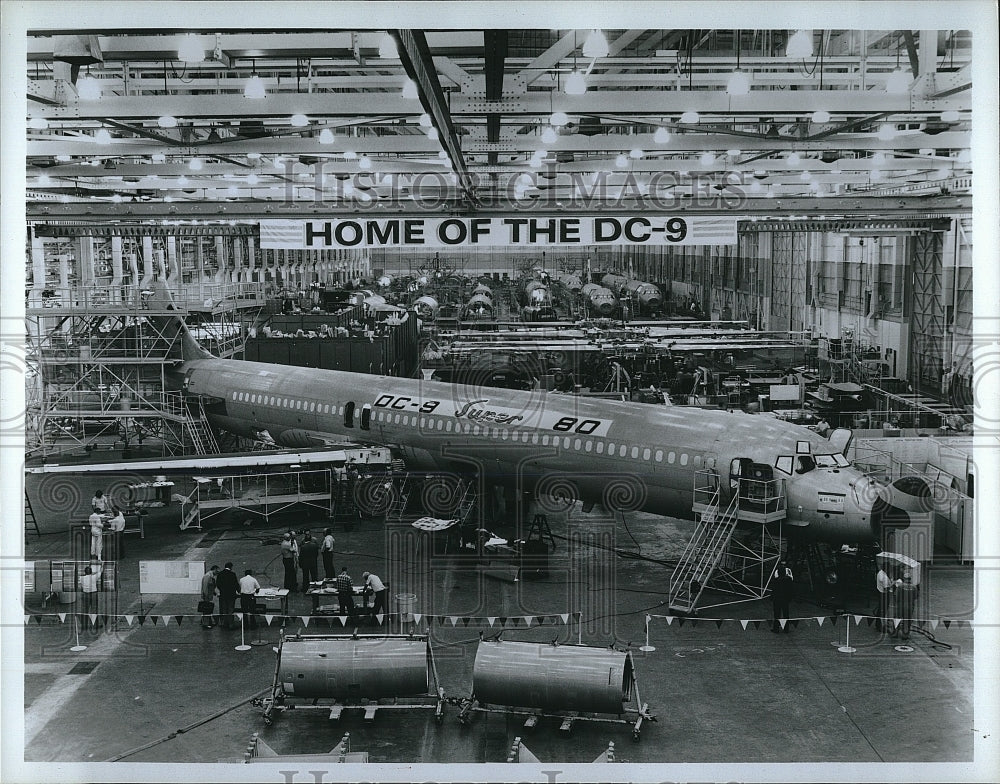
<point>714,557</point>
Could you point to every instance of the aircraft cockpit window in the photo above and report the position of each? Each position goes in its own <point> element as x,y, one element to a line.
<point>842,461</point>
<point>784,464</point>
<point>825,461</point>
<point>805,464</point>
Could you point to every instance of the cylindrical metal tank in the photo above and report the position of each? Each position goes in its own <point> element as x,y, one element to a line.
<point>536,292</point>
<point>571,281</point>
<point>482,288</point>
<point>551,677</point>
<point>479,307</point>
<point>647,294</point>
<point>341,669</point>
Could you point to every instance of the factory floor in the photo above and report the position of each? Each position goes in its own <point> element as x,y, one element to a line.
<point>722,691</point>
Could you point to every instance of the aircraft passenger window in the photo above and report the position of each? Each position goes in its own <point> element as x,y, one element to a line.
<point>448,426</point>
<point>576,444</point>
<point>671,457</point>
<point>366,417</point>
<point>600,447</point>
<point>645,454</point>
<point>545,440</point>
<point>312,406</point>
<point>475,430</point>
<point>697,460</point>
<point>524,437</point>
<point>588,446</point>
<point>784,463</point>
<point>534,438</point>
<point>658,457</point>
<point>635,452</point>
<point>234,396</point>
<point>684,459</point>
<point>423,422</point>
<point>611,448</point>
<point>566,442</point>
<point>622,450</point>
<point>503,435</point>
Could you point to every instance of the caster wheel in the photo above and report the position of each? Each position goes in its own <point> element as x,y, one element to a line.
<point>268,721</point>
<point>635,737</point>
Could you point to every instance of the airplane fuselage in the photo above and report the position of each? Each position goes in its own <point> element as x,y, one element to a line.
<point>622,455</point>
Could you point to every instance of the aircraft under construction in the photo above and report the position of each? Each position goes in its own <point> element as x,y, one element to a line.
<point>624,456</point>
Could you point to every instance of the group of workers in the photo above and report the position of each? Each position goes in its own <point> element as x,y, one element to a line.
<point>105,516</point>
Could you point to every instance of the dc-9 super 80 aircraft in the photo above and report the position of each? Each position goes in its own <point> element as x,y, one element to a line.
<point>622,455</point>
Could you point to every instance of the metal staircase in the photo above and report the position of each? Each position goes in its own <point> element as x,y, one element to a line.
<point>30,523</point>
<point>400,498</point>
<point>702,554</point>
<point>198,431</point>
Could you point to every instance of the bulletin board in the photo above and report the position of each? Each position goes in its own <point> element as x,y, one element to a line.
<point>64,576</point>
<point>171,576</point>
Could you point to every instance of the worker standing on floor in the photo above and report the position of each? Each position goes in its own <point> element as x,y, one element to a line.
<point>884,585</point>
<point>345,593</point>
<point>288,562</point>
<point>249,588</point>
<point>308,555</point>
<point>96,535</point>
<point>327,552</point>
<point>374,584</point>
<point>90,582</point>
<point>207,603</point>
<point>228,585</point>
<point>781,595</point>
<point>906,601</point>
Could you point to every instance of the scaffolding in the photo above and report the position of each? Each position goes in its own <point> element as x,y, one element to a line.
<point>100,351</point>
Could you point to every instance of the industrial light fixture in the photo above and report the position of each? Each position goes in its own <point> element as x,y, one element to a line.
<point>661,136</point>
<point>102,136</point>
<point>159,157</point>
<point>878,158</point>
<point>252,179</point>
<point>254,88</point>
<point>558,119</point>
<point>326,136</point>
<point>410,90</point>
<point>88,88</point>
<point>690,117</point>
<point>195,164</point>
<point>44,179</point>
<point>253,156</point>
<point>576,84</point>
<point>734,153</point>
<point>549,135</point>
<point>707,158</point>
<point>365,162</point>
<point>756,187</point>
<point>738,83</point>
<point>875,175</point>
<point>886,132</point>
<point>432,133</point>
<point>950,116</point>
<point>298,121</point>
<point>182,180</point>
<point>232,191</point>
<point>189,49</point>
<point>350,155</point>
<point>596,45</point>
<point>806,175</point>
<point>793,159</point>
<point>424,120</point>
<point>387,48</point>
<point>621,161</point>
<point>166,121</point>
<point>821,116</point>
<point>635,153</point>
<point>898,82</point>
<point>800,45</point>
<point>442,154</point>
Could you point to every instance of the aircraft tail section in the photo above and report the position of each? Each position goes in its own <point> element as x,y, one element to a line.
<point>174,326</point>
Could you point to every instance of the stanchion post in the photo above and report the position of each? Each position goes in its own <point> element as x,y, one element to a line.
<point>243,643</point>
<point>647,648</point>
<point>76,627</point>
<point>846,647</point>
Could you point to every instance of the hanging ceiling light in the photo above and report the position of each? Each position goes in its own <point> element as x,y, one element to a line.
<point>166,121</point>
<point>442,154</point>
<point>558,119</point>
<point>636,153</point>
<point>596,45</point>
<point>690,117</point>
<point>252,179</point>
<point>875,175</point>
<point>950,116</point>
<point>254,88</point>
<point>424,120</point>
<point>158,157</point>
<point>365,162</point>
<point>734,153</point>
<point>88,88</point>
<point>189,49</point>
<point>432,133</point>
<point>576,84</point>
<point>102,136</point>
<point>793,158</point>
<point>820,116</point>
<point>195,164</point>
<point>738,83</point>
<point>878,158</point>
<point>38,123</point>
<point>800,44</point>
<point>350,155</point>
<point>662,135</point>
<point>232,191</point>
<point>326,136</point>
<point>298,121</point>
<point>886,132</point>
<point>253,155</point>
<point>806,175</point>
<point>898,82</point>
<point>707,159</point>
<point>387,48</point>
<point>756,187</point>
<point>410,90</point>
<point>621,161</point>
<point>549,135</point>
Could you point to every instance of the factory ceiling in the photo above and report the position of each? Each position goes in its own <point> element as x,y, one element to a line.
<point>271,122</point>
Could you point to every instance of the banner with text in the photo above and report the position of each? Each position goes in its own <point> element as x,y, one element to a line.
<point>562,231</point>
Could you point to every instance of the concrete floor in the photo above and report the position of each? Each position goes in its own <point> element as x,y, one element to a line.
<point>721,693</point>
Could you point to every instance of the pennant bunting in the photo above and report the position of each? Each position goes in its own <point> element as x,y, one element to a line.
<point>868,621</point>
<point>528,619</point>
<point>27,619</point>
<point>343,620</point>
<point>104,618</point>
<point>239,617</point>
<point>417,617</point>
<point>493,619</point>
<point>896,622</point>
<point>93,619</point>
<point>268,619</point>
<point>947,623</point>
<point>305,619</point>
<point>795,623</point>
<point>819,620</point>
<point>756,624</point>
<point>465,621</point>
<point>833,620</point>
<point>379,617</point>
<point>454,620</point>
<point>62,617</point>
<point>782,622</point>
<point>680,620</point>
<point>743,623</point>
<point>565,618</point>
<point>142,619</point>
<point>934,624</point>
<point>670,620</point>
<point>503,621</point>
<point>857,620</point>
<point>166,619</point>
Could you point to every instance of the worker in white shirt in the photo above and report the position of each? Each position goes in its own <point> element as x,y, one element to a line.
<point>117,526</point>
<point>90,581</point>
<point>885,586</point>
<point>99,503</point>
<point>96,535</point>
<point>374,584</point>
<point>326,552</point>
<point>249,588</point>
